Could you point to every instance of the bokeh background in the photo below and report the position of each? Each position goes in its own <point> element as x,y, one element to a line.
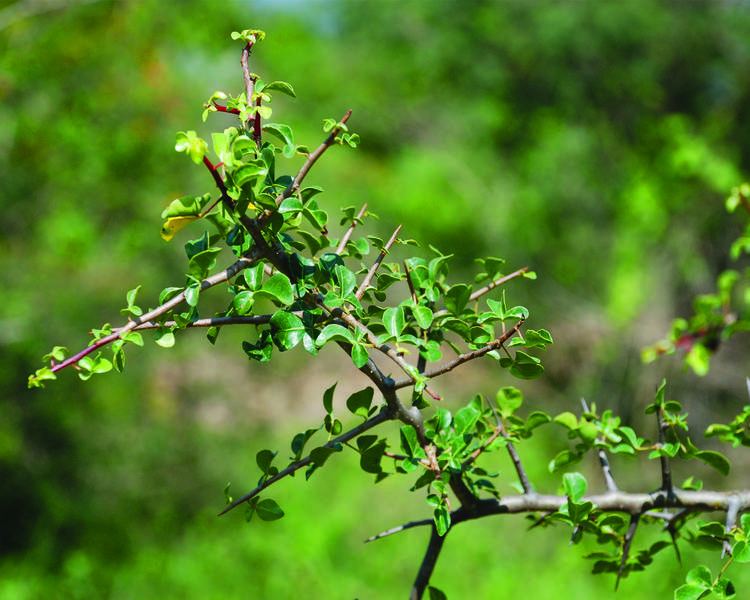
<point>592,141</point>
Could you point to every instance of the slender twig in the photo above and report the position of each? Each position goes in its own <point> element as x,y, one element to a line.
<point>688,501</point>
<point>634,519</point>
<point>523,477</point>
<point>398,529</point>
<point>431,555</point>
<point>381,417</point>
<point>356,324</point>
<point>410,283</point>
<point>347,236</point>
<point>499,431</point>
<point>609,479</point>
<point>487,288</point>
<point>224,109</point>
<point>732,512</point>
<point>221,277</point>
<point>371,273</point>
<point>666,472</point>
<point>210,322</point>
<point>312,158</point>
<point>257,131</point>
<point>248,77</point>
<point>467,356</point>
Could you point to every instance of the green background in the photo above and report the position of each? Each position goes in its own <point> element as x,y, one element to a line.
<point>593,141</point>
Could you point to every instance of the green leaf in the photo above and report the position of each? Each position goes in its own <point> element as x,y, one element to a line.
<point>394,321</point>
<point>285,134</point>
<point>250,36</point>
<point>278,288</point>
<point>442,520</point>
<point>359,402</point>
<point>714,459</point>
<point>359,355</point>
<point>456,298</point>
<point>58,353</point>
<point>243,302</point>
<point>291,206</point>
<point>699,359</point>
<point>269,510</point>
<point>345,279</point>
<point>525,366</point>
<point>689,591</point>
<point>410,442</point>
<point>334,332</point>
<point>192,145</point>
<point>260,350</point>
<point>328,399</point>
<point>567,419</point>
<point>281,86</point>
<point>288,329</point>
<point>574,485</point>
<point>263,459</point>
<point>253,277</point>
<point>741,552</point>
<point>700,576</point>
<point>422,315</point>
<point>250,172</point>
<point>320,455</point>
<point>40,376</point>
<point>436,594</point>
<point>509,399</point>
<point>165,339</point>
<point>192,294</point>
<point>202,263</point>
<point>465,418</point>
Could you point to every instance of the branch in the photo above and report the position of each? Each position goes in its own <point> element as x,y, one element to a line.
<point>666,473</point>
<point>371,273</point>
<point>224,109</point>
<point>467,356</point>
<point>431,555</point>
<point>732,511</point>
<point>634,520</point>
<point>398,529</point>
<point>381,417</point>
<point>226,274</point>
<point>486,289</point>
<point>308,164</point>
<point>248,79</point>
<point>603,460</point>
<point>347,236</point>
<point>211,322</point>
<point>623,502</point>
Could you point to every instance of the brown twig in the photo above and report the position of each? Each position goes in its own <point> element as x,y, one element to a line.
<point>666,472</point>
<point>634,520</point>
<point>312,158</point>
<point>221,277</point>
<point>487,288</point>
<point>467,356</point>
<point>434,546</point>
<point>348,234</point>
<point>381,417</point>
<point>247,77</point>
<point>398,529</point>
<point>609,479</point>
<point>373,269</point>
<point>224,109</point>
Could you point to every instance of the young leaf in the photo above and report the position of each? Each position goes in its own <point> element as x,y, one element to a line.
<point>278,288</point>
<point>359,402</point>
<point>269,510</point>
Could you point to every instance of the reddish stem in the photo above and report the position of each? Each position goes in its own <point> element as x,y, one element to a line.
<point>224,109</point>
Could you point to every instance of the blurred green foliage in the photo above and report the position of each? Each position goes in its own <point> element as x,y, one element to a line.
<point>592,141</point>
